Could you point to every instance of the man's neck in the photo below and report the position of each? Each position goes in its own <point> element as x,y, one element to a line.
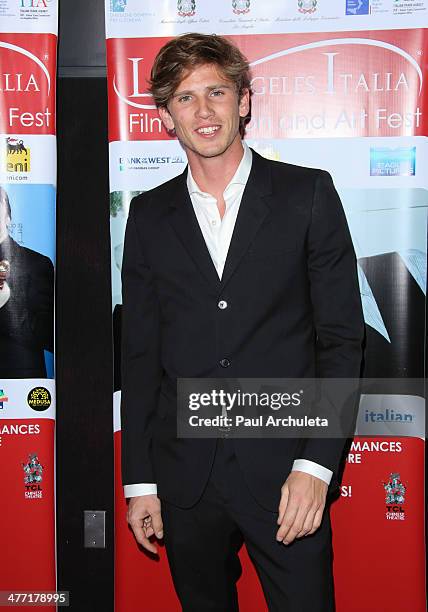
<point>213,174</point>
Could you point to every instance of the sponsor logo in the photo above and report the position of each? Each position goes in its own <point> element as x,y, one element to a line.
<point>33,9</point>
<point>36,4</point>
<point>307,6</point>
<point>118,6</point>
<point>408,7</point>
<point>395,492</point>
<point>240,7</point>
<point>33,478</point>
<point>388,416</point>
<point>3,399</point>
<point>148,162</point>
<point>186,8</point>
<point>17,155</point>
<point>385,161</point>
<point>357,7</point>
<point>39,399</point>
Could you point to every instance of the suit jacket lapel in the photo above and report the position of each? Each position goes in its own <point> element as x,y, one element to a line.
<point>253,210</point>
<point>186,226</point>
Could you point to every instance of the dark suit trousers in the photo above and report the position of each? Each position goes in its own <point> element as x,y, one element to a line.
<point>202,544</point>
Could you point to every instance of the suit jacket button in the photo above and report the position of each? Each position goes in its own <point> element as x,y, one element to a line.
<point>225,363</point>
<point>222,304</point>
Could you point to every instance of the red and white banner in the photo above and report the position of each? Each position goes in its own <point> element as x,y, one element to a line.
<point>304,85</point>
<point>28,45</point>
<point>339,85</point>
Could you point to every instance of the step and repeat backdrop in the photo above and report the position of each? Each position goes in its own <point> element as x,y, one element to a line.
<point>340,85</point>
<point>28,46</point>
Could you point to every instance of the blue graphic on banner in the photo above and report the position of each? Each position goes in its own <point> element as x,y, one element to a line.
<point>357,7</point>
<point>30,236</point>
<point>117,6</point>
<point>392,162</point>
<point>33,208</point>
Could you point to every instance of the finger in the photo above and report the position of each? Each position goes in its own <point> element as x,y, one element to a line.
<point>317,520</point>
<point>283,504</point>
<point>145,543</point>
<point>308,524</point>
<point>142,539</point>
<point>296,526</point>
<point>287,521</point>
<point>157,524</point>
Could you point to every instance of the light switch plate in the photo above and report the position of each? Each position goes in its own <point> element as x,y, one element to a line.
<point>95,528</point>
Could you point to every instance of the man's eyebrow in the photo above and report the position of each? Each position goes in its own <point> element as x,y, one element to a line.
<point>186,92</point>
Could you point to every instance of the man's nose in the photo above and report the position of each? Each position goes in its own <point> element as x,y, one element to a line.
<point>204,108</point>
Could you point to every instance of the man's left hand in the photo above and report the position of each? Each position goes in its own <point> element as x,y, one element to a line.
<point>301,507</point>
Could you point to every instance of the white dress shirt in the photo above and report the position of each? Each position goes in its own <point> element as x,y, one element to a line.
<point>217,234</point>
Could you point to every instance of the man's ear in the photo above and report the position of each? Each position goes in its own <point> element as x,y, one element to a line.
<point>166,118</point>
<point>244,103</point>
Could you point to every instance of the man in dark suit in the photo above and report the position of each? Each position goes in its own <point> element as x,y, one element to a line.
<point>26,304</point>
<point>240,267</point>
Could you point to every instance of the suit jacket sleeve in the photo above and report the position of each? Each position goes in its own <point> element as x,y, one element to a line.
<point>336,302</point>
<point>141,363</point>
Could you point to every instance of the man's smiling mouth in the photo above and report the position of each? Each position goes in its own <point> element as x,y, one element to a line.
<point>208,130</point>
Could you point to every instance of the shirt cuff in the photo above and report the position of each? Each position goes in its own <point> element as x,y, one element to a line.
<point>315,469</point>
<point>145,488</point>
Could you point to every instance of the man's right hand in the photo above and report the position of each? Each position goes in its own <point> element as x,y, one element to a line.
<point>144,518</point>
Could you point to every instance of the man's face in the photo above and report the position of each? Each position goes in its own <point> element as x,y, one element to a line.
<point>205,112</point>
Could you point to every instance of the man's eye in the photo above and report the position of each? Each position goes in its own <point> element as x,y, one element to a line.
<point>183,98</point>
<point>217,92</point>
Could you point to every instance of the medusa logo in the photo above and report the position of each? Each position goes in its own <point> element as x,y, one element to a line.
<point>39,399</point>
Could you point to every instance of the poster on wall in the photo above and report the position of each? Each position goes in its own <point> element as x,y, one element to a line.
<point>339,86</point>
<point>28,46</point>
